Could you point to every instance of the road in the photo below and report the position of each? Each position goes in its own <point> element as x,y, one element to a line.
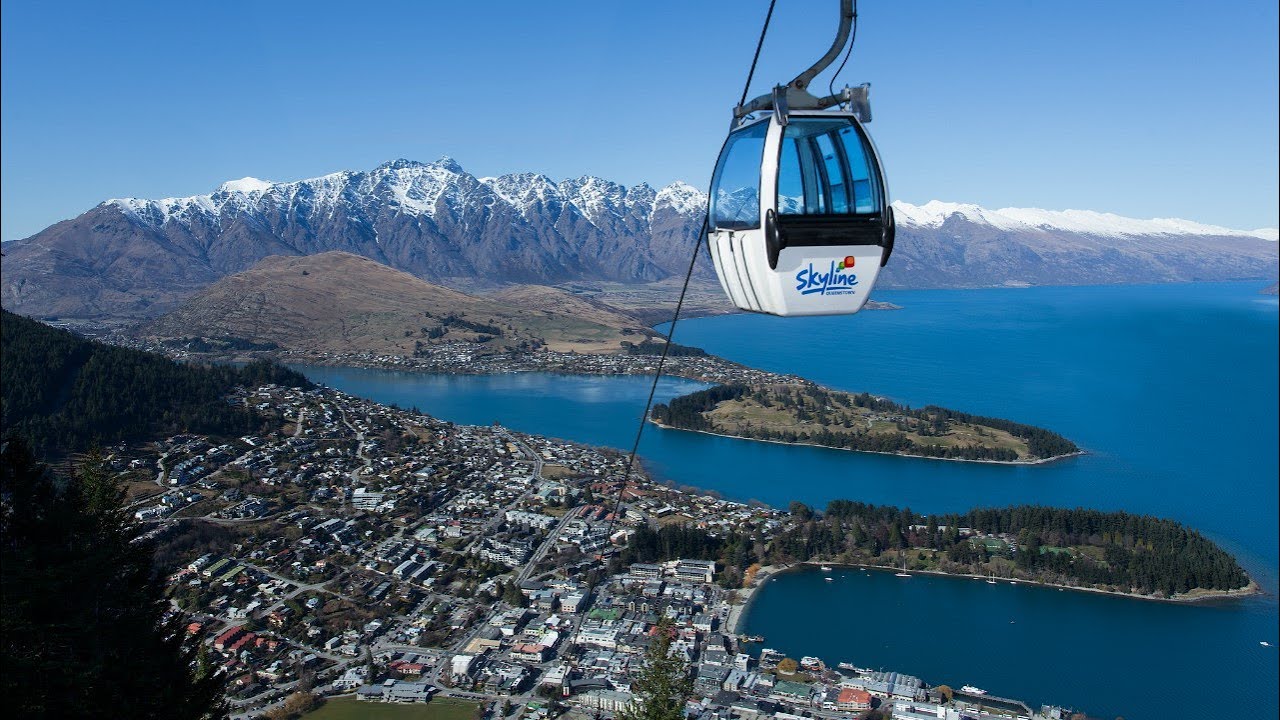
<point>355,475</point>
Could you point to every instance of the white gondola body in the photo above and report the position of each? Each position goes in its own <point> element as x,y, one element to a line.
<point>825,278</point>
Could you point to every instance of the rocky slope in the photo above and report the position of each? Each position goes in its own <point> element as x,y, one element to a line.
<point>140,258</point>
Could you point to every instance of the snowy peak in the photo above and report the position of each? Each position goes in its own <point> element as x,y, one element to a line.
<point>1083,222</point>
<point>682,198</point>
<point>246,186</point>
<point>526,191</point>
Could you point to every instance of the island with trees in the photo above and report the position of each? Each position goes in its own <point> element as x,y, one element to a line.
<point>807,414</point>
<point>1115,552</point>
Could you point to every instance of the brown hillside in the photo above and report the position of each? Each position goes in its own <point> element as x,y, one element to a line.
<point>563,302</point>
<point>339,302</point>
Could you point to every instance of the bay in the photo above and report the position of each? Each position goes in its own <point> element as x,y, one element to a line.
<point>1171,389</point>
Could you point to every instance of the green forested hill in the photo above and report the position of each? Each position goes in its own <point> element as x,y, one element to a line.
<point>64,393</point>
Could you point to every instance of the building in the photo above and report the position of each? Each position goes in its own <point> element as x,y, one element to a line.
<point>607,700</point>
<point>645,570</point>
<point>529,652</point>
<point>696,570</point>
<point>573,602</point>
<point>397,691</point>
<point>792,692</point>
<point>853,699</point>
<point>536,521</point>
<point>600,637</point>
<point>363,499</point>
<point>462,665</point>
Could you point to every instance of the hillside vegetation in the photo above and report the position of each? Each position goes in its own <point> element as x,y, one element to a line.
<point>342,303</point>
<point>63,393</point>
<point>849,421</point>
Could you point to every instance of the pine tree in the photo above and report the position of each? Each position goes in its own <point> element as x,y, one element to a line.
<point>84,621</point>
<point>664,684</point>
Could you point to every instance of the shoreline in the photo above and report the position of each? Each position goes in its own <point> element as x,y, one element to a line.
<point>1040,461</point>
<point>738,612</point>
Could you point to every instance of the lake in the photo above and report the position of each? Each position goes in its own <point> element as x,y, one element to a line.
<point>1172,390</point>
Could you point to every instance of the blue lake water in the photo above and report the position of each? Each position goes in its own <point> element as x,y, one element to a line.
<point>1172,389</point>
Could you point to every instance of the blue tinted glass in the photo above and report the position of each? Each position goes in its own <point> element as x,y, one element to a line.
<point>833,173</point>
<point>859,170</point>
<point>735,190</point>
<point>791,199</point>
<point>824,168</point>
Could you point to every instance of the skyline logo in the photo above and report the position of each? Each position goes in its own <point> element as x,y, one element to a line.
<point>833,282</point>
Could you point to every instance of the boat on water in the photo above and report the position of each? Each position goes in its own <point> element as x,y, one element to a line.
<point>902,574</point>
<point>752,638</point>
<point>847,666</point>
<point>973,690</point>
<point>826,568</point>
<point>828,578</point>
<point>809,662</point>
<point>1264,643</point>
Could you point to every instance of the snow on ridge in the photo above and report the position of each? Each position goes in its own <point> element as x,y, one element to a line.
<point>1086,222</point>
<point>524,190</point>
<point>682,197</point>
<point>246,186</point>
<point>416,188</point>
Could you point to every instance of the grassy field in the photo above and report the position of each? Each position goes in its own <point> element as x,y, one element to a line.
<point>349,708</point>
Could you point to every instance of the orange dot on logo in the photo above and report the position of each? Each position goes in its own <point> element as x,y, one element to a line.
<point>848,261</point>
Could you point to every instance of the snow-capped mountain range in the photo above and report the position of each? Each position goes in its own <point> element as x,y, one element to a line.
<point>935,214</point>
<point>137,258</point>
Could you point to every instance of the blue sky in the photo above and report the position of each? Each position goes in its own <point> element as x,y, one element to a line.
<point>1146,109</point>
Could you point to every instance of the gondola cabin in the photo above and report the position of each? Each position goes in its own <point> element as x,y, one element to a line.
<point>799,221</point>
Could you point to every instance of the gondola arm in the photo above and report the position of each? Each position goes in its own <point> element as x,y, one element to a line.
<point>797,94</point>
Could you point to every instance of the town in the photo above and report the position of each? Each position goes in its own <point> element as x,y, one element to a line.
<point>472,358</point>
<point>370,554</point>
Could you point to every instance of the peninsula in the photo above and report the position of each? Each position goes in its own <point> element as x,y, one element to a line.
<point>807,414</point>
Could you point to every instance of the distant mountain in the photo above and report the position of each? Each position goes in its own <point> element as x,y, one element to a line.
<point>140,258</point>
<point>339,302</point>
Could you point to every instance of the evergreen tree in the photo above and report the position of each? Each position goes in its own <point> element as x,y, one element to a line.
<point>84,624</point>
<point>664,684</point>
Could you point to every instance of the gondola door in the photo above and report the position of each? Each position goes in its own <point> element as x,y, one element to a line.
<point>736,214</point>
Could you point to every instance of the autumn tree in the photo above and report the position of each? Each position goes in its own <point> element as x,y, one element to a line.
<point>788,666</point>
<point>294,706</point>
